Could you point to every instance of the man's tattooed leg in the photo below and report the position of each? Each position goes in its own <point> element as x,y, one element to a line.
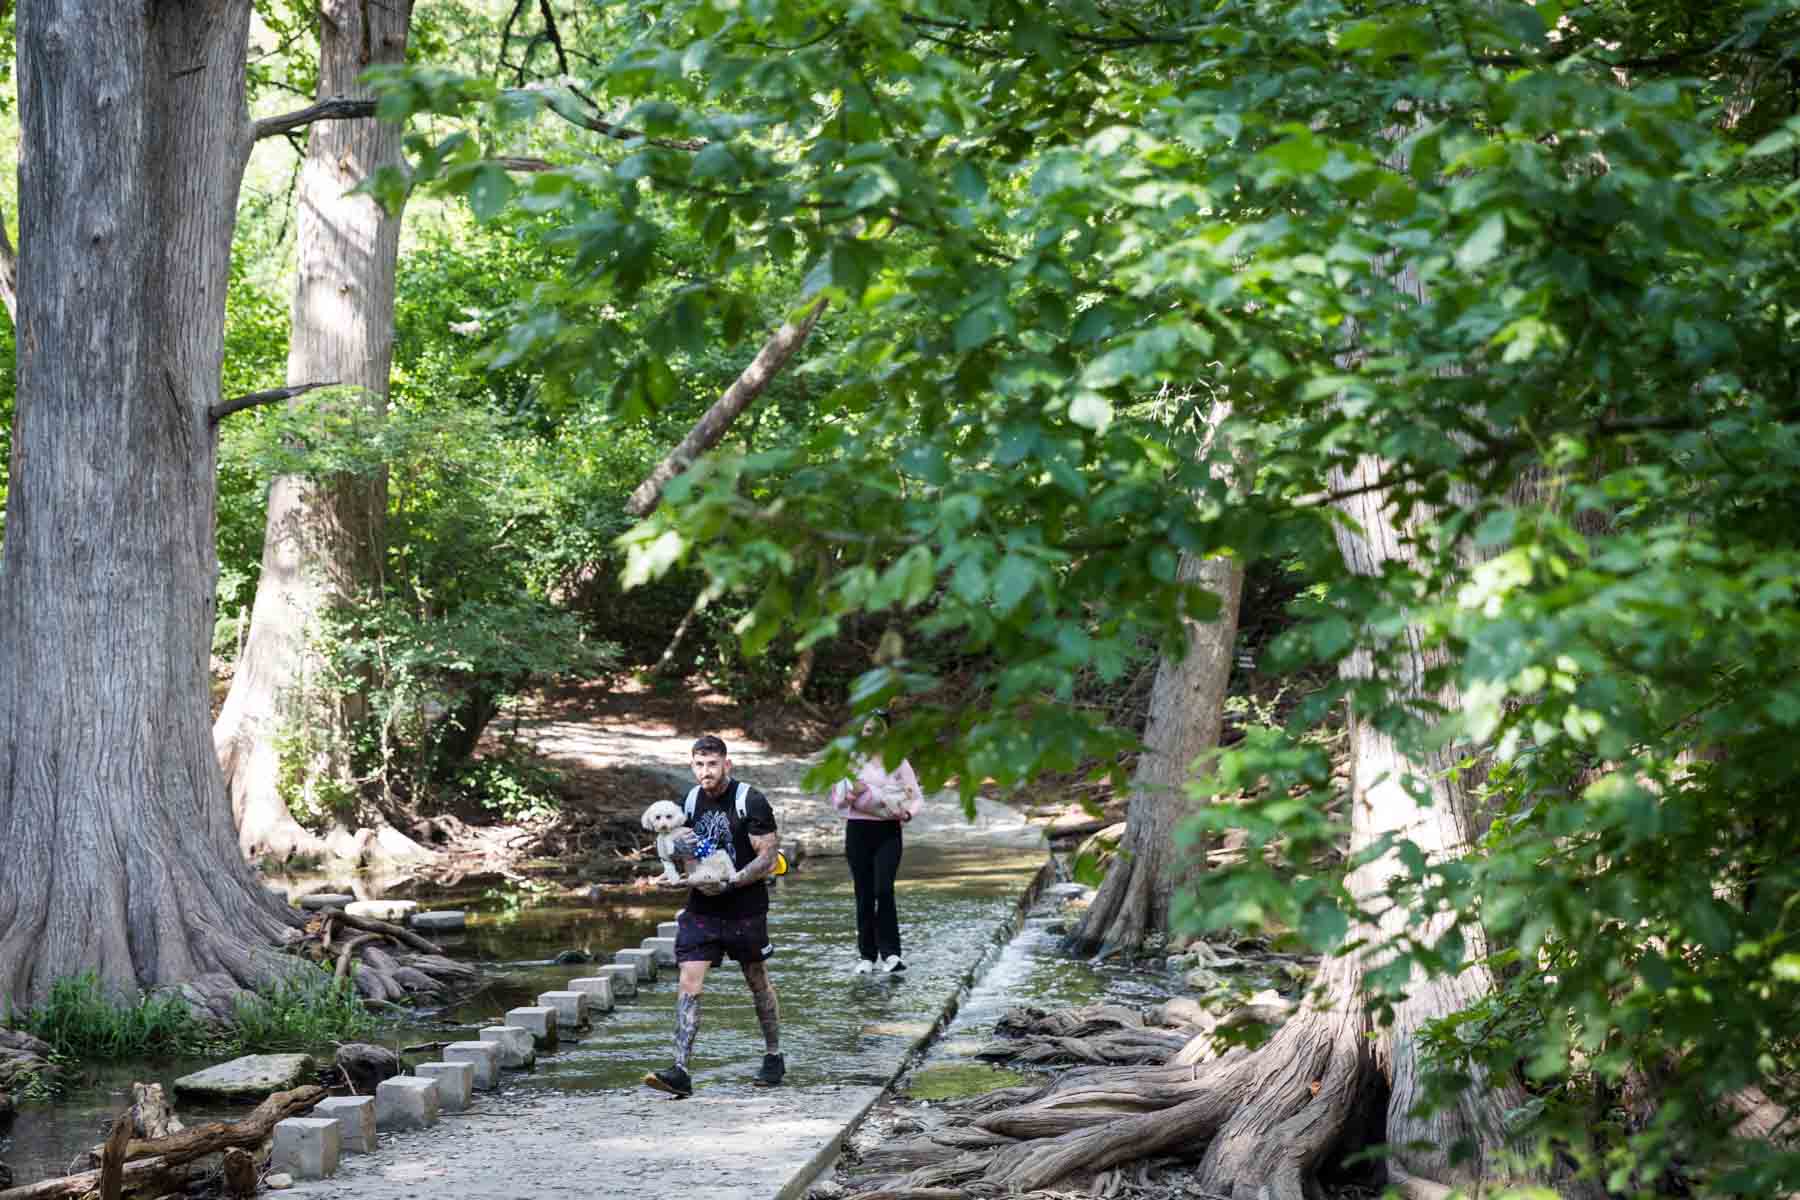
<point>687,1026</point>
<point>768,1010</point>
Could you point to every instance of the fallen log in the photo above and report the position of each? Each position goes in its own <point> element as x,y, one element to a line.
<point>112,1157</point>
<point>147,1159</point>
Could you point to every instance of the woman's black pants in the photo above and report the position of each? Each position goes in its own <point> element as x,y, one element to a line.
<point>873,848</point>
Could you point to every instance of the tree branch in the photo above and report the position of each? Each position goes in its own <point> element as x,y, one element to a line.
<point>711,427</point>
<point>225,408</point>
<point>338,108</point>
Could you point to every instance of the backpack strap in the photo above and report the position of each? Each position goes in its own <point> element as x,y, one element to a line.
<point>743,799</point>
<point>693,798</point>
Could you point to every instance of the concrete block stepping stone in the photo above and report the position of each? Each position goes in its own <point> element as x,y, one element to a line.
<point>355,1117</point>
<point>538,1018</point>
<point>643,960</point>
<point>320,900</point>
<point>455,1080</point>
<point>253,1076</point>
<point>518,1049</point>
<point>483,1057</point>
<point>663,948</point>
<point>444,920</point>
<point>668,929</point>
<point>306,1147</point>
<point>624,977</point>
<point>406,1102</point>
<point>571,1008</point>
<point>383,910</point>
<point>598,990</point>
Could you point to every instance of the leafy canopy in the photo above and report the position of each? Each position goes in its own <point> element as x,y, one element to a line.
<point>1538,261</point>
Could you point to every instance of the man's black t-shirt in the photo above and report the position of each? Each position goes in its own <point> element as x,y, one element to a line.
<point>715,819</point>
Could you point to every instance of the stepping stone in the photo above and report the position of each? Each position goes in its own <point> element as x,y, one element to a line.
<point>483,1057</point>
<point>383,910</point>
<point>518,1049</point>
<point>598,990</point>
<point>306,1147</point>
<point>538,1018</point>
<point>571,1008</point>
<point>320,900</point>
<point>355,1117</point>
<point>624,977</point>
<point>406,1102</point>
<point>455,1080</point>
<point>643,960</point>
<point>442,920</point>
<point>668,929</point>
<point>663,948</point>
<point>252,1077</point>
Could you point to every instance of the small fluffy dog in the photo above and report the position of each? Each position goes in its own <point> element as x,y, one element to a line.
<point>665,818</point>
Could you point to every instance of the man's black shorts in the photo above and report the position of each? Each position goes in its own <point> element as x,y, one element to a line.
<point>710,939</point>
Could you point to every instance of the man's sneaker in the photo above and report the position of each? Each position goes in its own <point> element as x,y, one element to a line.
<point>892,963</point>
<point>864,966</point>
<point>773,1069</point>
<point>673,1080</point>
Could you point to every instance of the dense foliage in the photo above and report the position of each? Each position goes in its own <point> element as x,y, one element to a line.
<point>1536,261</point>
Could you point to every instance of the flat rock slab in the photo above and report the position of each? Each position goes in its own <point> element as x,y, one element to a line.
<point>441,920</point>
<point>383,910</point>
<point>320,900</point>
<point>726,1143</point>
<point>253,1076</point>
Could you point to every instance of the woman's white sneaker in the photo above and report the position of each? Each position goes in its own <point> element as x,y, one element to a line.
<point>864,966</point>
<point>892,963</point>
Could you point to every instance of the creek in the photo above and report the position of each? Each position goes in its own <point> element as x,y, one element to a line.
<point>955,899</point>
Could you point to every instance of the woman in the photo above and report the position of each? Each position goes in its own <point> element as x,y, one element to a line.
<point>876,803</point>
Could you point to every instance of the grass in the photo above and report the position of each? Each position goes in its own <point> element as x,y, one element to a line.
<point>84,1022</point>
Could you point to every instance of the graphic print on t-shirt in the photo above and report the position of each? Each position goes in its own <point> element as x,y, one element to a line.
<point>713,828</point>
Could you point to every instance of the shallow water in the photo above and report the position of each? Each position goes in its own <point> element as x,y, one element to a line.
<point>1029,969</point>
<point>836,1027</point>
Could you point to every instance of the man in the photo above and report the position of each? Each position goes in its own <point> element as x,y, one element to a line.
<point>728,918</point>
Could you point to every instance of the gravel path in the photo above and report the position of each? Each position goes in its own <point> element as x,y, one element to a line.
<point>804,818</point>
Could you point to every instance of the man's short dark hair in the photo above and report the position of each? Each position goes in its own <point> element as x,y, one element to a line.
<point>709,745</point>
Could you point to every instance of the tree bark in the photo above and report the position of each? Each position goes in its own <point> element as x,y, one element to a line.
<point>1187,709</point>
<point>323,538</point>
<point>117,852</point>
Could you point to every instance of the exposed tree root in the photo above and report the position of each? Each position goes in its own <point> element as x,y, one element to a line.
<point>1262,1122</point>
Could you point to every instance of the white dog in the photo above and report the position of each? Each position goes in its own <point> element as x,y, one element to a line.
<point>665,819</point>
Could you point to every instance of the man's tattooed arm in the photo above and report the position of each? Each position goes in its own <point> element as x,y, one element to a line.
<point>760,867</point>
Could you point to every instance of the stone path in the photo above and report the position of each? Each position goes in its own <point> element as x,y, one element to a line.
<point>539,1137</point>
<point>723,1144</point>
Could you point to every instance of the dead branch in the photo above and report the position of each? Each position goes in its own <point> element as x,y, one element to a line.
<point>225,408</point>
<point>337,108</point>
<point>405,937</point>
<point>744,390</point>
<point>348,951</point>
<point>148,1158</point>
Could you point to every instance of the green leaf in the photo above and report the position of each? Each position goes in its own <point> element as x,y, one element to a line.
<point>1015,578</point>
<point>489,190</point>
<point>1482,246</point>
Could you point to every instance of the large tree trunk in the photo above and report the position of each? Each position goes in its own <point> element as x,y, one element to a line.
<point>1187,708</point>
<point>117,851</point>
<point>1380,771</point>
<point>1187,705</point>
<point>323,540</point>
